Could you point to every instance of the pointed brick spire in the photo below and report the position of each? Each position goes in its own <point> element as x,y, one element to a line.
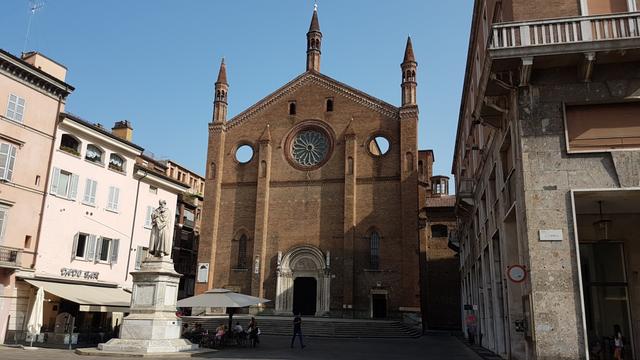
<point>408,51</point>
<point>222,74</point>
<point>315,24</point>
<point>266,135</point>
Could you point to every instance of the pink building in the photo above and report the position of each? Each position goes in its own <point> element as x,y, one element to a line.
<point>32,94</point>
<point>95,230</point>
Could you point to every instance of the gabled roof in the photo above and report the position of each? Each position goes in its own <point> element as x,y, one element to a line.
<point>322,80</point>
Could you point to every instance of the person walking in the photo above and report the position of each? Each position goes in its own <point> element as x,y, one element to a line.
<point>254,332</point>
<point>618,343</point>
<point>297,330</point>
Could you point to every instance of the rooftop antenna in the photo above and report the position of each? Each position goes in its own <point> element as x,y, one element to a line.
<point>33,8</point>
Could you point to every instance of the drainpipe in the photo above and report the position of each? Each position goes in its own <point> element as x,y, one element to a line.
<point>46,183</point>
<point>133,226</point>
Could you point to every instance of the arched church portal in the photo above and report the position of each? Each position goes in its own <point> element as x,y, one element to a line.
<point>303,283</point>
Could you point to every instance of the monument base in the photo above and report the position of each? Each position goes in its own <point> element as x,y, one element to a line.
<point>147,346</point>
<point>152,325</point>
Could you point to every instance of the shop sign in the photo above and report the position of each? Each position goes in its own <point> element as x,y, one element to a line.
<point>75,273</point>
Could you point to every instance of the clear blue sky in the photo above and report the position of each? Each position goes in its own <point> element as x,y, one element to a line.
<point>155,62</point>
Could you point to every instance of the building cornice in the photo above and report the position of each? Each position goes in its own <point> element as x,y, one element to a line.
<point>74,123</point>
<point>32,76</point>
<point>316,78</point>
<point>146,175</point>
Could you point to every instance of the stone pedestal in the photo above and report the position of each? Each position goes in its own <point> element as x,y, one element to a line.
<point>152,325</point>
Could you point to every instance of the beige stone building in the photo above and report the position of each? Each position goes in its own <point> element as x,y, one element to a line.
<point>186,236</point>
<point>546,168</point>
<point>32,94</point>
<point>311,197</point>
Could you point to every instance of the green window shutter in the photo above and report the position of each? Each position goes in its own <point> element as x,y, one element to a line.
<point>54,181</point>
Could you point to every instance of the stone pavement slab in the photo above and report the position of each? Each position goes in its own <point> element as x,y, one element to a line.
<point>277,347</point>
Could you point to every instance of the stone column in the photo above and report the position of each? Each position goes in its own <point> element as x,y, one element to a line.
<point>262,214</point>
<point>349,218</point>
<point>152,325</point>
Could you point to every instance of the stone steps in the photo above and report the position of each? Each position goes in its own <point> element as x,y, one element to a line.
<point>316,327</point>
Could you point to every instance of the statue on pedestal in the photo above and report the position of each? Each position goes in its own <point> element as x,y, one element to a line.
<point>160,241</point>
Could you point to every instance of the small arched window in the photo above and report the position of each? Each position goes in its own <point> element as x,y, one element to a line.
<point>292,108</point>
<point>70,144</point>
<point>94,154</point>
<point>212,171</point>
<point>439,230</point>
<point>116,162</point>
<point>374,251</point>
<point>329,105</point>
<point>242,252</point>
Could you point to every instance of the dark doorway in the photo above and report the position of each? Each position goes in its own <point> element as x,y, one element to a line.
<point>304,296</point>
<point>379,306</point>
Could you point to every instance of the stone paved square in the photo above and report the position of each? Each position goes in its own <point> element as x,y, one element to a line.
<point>277,347</point>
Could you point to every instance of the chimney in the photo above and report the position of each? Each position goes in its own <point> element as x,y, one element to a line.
<point>123,130</point>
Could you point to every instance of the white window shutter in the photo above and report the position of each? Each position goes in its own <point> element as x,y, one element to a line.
<point>87,191</point>
<point>114,250</point>
<point>4,160</point>
<point>147,219</point>
<point>98,249</point>
<point>3,221</point>
<point>94,186</point>
<point>73,187</point>
<point>90,253</point>
<point>139,255</point>
<point>116,195</point>
<point>110,199</point>
<point>10,163</point>
<point>74,248</point>
<point>54,181</point>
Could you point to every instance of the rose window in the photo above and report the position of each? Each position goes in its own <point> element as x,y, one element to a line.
<point>309,147</point>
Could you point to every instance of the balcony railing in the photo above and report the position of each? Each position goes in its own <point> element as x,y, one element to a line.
<point>566,31</point>
<point>10,257</point>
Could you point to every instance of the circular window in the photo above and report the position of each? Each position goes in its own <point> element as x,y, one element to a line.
<point>379,145</point>
<point>244,154</point>
<point>309,146</point>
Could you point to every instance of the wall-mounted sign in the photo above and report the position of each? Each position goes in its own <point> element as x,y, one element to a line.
<point>517,273</point>
<point>91,275</point>
<point>550,235</point>
<point>203,272</point>
<point>256,266</point>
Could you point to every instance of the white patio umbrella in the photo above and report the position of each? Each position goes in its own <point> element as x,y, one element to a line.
<point>35,317</point>
<point>221,298</point>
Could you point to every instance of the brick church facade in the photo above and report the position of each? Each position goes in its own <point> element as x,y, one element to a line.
<point>322,217</point>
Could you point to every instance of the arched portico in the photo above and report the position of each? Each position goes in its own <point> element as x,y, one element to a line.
<point>302,261</point>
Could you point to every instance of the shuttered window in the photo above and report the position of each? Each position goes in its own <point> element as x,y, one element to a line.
<point>603,127</point>
<point>4,219</point>
<point>141,253</point>
<point>7,161</point>
<point>90,192</point>
<point>83,247</point>
<point>15,108</point>
<point>147,219</point>
<point>114,195</point>
<point>64,184</point>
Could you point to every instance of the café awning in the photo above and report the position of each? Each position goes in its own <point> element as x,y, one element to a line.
<point>90,298</point>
